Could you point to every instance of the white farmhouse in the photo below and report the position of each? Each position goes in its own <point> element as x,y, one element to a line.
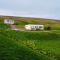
<point>34,27</point>
<point>8,21</point>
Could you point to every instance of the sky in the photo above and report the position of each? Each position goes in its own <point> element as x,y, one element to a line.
<point>31,8</point>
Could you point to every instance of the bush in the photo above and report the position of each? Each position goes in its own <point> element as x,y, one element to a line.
<point>47,28</point>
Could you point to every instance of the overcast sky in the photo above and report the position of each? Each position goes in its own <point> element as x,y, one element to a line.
<point>35,8</point>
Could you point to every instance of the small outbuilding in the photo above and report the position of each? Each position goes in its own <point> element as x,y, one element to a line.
<point>34,27</point>
<point>8,21</point>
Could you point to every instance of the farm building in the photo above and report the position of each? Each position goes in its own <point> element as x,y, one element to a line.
<point>34,27</point>
<point>8,21</point>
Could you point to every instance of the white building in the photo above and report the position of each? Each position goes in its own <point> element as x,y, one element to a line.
<point>34,27</point>
<point>8,21</point>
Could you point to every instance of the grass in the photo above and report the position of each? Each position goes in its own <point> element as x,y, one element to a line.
<point>48,47</point>
<point>55,25</point>
<point>30,45</point>
<point>12,47</point>
<point>21,21</point>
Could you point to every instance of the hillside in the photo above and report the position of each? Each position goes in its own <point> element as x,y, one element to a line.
<point>21,21</point>
<point>29,45</point>
<point>25,45</point>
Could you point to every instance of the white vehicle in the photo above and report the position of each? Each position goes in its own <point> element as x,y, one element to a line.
<point>34,27</point>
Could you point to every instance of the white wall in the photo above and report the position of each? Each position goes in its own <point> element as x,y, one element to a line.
<point>6,21</point>
<point>34,27</point>
<point>27,27</point>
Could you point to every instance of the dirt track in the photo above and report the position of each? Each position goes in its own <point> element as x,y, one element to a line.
<point>14,27</point>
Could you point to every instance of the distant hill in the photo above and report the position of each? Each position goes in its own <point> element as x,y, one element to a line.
<point>25,18</point>
<point>21,21</point>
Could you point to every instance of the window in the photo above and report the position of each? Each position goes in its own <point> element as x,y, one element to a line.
<point>40,26</point>
<point>7,20</point>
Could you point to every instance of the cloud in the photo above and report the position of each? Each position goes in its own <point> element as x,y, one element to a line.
<point>35,8</point>
<point>14,13</point>
<point>26,14</point>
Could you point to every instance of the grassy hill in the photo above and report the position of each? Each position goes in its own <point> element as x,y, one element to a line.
<point>29,45</point>
<point>15,45</point>
<point>21,21</point>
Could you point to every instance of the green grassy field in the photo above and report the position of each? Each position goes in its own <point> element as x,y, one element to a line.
<point>54,24</point>
<point>30,45</point>
<point>12,48</point>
